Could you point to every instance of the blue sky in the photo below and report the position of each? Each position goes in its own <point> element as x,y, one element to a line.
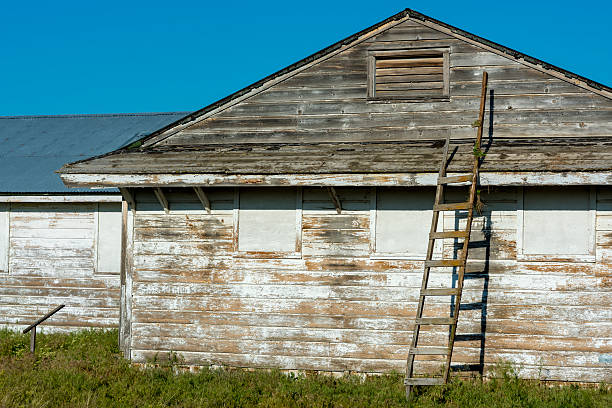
<point>108,56</point>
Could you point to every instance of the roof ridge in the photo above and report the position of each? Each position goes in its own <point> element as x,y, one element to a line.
<point>94,115</point>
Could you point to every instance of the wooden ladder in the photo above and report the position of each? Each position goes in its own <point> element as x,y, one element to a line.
<point>460,264</point>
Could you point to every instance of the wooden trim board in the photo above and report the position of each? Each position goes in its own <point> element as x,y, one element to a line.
<point>90,198</point>
<point>341,179</point>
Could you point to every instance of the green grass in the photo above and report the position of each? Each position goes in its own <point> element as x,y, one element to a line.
<point>85,369</point>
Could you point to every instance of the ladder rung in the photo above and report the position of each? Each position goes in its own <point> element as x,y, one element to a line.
<point>453,206</point>
<point>430,351</point>
<point>448,234</point>
<point>424,381</point>
<point>435,321</point>
<point>444,262</point>
<point>455,179</point>
<point>440,292</point>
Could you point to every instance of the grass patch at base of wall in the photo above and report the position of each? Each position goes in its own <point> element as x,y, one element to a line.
<point>86,369</point>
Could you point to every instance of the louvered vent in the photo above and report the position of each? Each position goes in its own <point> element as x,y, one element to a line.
<point>410,76</point>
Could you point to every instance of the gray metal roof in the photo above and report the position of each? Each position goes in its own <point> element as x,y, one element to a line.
<point>32,148</point>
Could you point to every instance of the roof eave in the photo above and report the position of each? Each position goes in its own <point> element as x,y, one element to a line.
<point>540,178</point>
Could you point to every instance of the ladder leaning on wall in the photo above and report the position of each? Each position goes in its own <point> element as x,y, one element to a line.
<point>460,264</point>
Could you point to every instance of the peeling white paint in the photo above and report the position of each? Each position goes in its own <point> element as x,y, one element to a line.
<point>356,180</point>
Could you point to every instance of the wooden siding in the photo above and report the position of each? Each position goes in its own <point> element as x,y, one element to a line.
<point>337,308</point>
<point>328,101</point>
<point>52,261</point>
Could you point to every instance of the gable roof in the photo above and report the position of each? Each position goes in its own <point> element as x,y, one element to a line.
<point>147,159</point>
<point>262,84</point>
<point>33,147</point>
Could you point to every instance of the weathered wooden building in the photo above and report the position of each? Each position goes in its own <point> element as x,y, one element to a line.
<point>238,254</point>
<point>60,245</point>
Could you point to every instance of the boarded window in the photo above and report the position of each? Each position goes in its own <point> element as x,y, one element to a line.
<point>4,237</point>
<point>268,220</point>
<point>557,222</point>
<point>109,238</point>
<point>403,220</point>
<point>52,239</point>
<point>409,74</point>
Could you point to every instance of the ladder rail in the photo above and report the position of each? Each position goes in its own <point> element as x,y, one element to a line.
<point>428,256</point>
<point>470,217</point>
<point>433,236</point>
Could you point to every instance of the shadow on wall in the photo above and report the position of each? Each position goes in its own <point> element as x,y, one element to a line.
<point>477,271</point>
<point>486,146</point>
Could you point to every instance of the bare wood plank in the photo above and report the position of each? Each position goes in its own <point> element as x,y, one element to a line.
<point>449,234</point>
<point>424,381</point>
<point>390,62</point>
<point>335,199</point>
<point>452,206</point>
<point>440,351</point>
<point>411,77</point>
<point>410,34</point>
<point>420,70</point>
<point>371,78</point>
<point>325,221</point>
<point>440,292</point>
<point>514,72</point>
<point>203,198</point>
<point>163,201</point>
<point>443,263</point>
<point>129,198</point>
<point>397,86</point>
<point>518,87</point>
<point>455,179</point>
<point>409,93</point>
<point>443,321</point>
<point>454,44</point>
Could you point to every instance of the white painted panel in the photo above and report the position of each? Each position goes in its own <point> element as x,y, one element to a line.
<point>403,220</point>
<point>557,221</point>
<point>109,238</point>
<point>267,220</point>
<point>4,237</point>
<point>52,239</point>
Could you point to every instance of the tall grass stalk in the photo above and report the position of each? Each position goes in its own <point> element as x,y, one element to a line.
<point>86,369</point>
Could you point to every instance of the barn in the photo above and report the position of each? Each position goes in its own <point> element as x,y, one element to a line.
<point>60,245</point>
<point>287,224</point>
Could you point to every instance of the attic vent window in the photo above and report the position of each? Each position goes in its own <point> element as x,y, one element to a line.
<point>408,74</point>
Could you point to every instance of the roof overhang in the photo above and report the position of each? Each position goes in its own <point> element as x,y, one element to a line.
<point>347,179</point>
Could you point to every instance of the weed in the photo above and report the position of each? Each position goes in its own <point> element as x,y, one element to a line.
<point>86,369</point>
<point>134,145</point>
<point>477,152</point>
<point>480,205</point>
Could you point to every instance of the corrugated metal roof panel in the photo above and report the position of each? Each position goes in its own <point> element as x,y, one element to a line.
<point>34,147</point>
